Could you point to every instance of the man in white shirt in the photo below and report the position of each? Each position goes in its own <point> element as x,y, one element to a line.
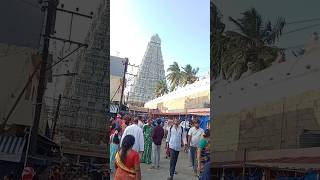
<point>194,136</point>
<point>137,133</point>
<point>175,142</point>
<point>140,122</point>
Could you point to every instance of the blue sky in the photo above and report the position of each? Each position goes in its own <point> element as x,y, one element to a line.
<point>183,26</point>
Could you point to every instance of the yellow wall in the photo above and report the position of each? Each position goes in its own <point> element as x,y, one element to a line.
<point>232,132</point>
<point>196,99</point>
<point>174,104</point>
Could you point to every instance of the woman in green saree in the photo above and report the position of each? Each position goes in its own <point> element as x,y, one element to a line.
<point>147,132</point>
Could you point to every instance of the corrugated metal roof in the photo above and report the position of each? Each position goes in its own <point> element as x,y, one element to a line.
<point>11,148</point>
<point>114,108</point>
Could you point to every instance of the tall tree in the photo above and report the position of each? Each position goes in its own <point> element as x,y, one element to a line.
<point>174,76</point>
<point>161,88</point>
<point>216,40</point>
<point>252,44</point>
<point>189,75</point>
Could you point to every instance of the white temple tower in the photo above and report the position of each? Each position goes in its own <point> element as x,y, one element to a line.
<point>150,73</point>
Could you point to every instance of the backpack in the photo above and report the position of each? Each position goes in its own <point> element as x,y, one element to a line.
<point>181,133</point>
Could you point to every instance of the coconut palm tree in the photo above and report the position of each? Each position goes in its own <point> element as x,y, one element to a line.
<point>253,44</point>
<point>189,75</point>
<point>174,76</point>
<point>216,40</point>
<point>161,88</point>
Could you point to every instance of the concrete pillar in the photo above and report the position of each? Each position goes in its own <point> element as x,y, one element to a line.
<point>264,175</point>
<point>222,177</point>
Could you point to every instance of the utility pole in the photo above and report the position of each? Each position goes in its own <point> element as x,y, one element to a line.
<point>124,79</point>
<point>49,30</point>
<point>51,9</point>
<point>134,75</point>
<point>56,116</point>
<point>127,97</point>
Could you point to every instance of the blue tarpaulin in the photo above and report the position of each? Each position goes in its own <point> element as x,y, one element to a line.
<point>204,120</point>
<point>309,176</point>
<point>182,117</point>
<point>290,178</point>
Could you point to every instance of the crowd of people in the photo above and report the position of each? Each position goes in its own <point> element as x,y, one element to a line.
<point>134,140</point>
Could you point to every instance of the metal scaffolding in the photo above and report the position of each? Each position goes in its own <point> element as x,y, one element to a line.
<point>84,114</point>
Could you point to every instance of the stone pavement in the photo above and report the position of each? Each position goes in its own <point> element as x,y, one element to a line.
<point>183,169</point>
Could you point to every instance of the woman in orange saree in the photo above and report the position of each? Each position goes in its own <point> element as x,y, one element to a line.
<point>127,161</point>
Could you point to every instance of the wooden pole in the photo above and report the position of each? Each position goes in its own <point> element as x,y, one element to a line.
<point>124,80</point>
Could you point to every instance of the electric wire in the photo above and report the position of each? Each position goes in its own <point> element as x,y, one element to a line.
<point>303,21</point>
<point>301,29</point>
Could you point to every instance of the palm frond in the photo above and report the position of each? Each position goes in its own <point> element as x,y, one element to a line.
<point>276,31</point>
<point>238,24</point>
<point>252,21</point>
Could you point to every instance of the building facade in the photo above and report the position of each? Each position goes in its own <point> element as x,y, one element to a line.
<point>193,96</point>
<point>117,67</point>
<point>150,73</point>
<point>281,109</point>
<point>82,125</point>
<point>17,64</point>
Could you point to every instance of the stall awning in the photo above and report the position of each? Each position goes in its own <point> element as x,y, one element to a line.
<point>11,148</point>
<point>196,112</point>
<point>200,113</point>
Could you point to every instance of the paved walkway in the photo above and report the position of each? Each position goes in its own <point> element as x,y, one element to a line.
<point>183,169</point>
